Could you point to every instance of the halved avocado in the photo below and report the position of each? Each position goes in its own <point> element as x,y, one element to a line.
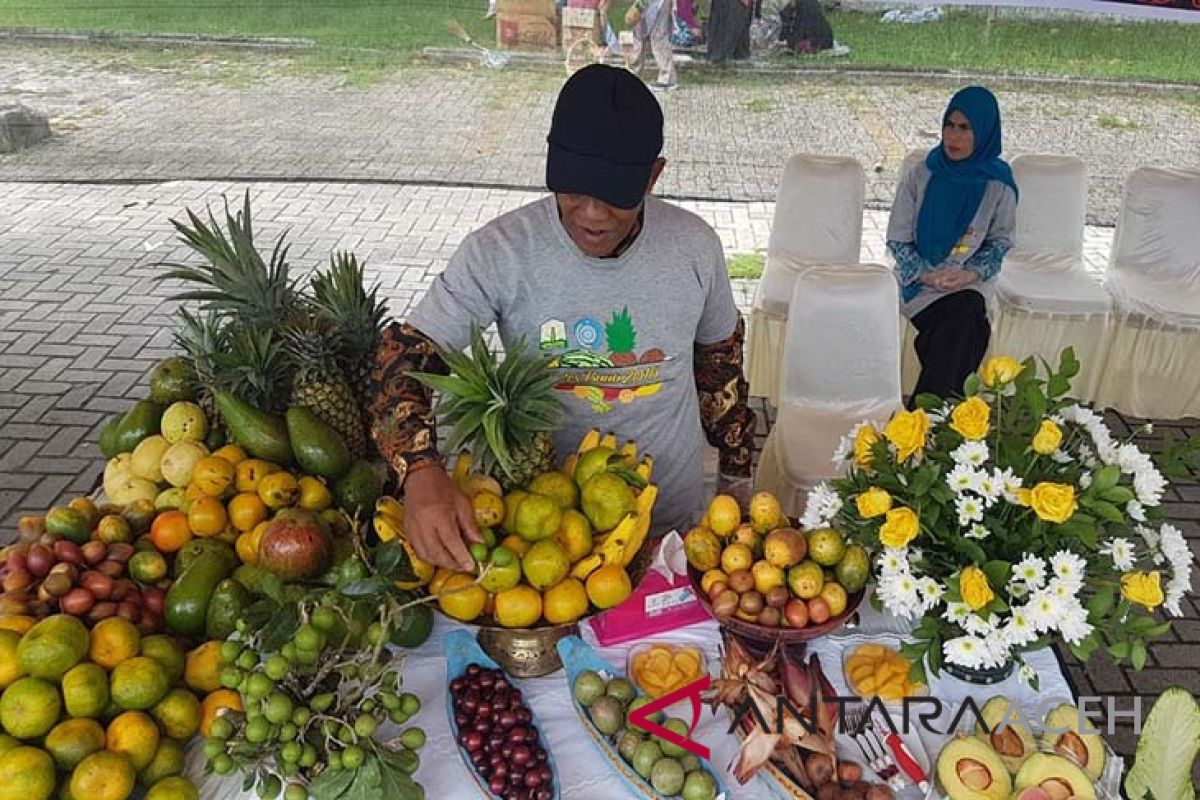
<point>1011,740</point>
<point>1085,749</point>
<point>971,770</point>
<point>1032,793</point>
<point>1058,777</point>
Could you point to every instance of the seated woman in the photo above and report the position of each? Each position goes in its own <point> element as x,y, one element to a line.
<point>951,225</point>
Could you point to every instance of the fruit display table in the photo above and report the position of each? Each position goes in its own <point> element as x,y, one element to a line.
<point>582,770</point>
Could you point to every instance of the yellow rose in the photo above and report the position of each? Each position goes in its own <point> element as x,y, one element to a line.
<point>1000,370</point>
<point>1023,496</point>
<point>1053,502</point>
<point>864,440</point>
<point>970,418</point>
<point>1142,588</point>
<point>907,431</point>
<point>900,528</point>
<point>873,502</point>
<point>974,587</point>
<point>1048,438</point>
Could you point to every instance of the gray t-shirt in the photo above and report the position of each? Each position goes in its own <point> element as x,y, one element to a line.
<point>996,219</point>
<point>621,330</point>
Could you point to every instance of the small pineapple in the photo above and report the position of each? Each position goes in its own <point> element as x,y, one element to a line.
<point>318,383</point>
<point>254,368</point>
<point>357,316</point>
<point>622,339</point>
<point>505,413</point>
<point>203,339</point>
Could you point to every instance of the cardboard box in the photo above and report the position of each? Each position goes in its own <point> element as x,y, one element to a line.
<point>580,23</point>
<point>526,32</point>
<point>547,9</point>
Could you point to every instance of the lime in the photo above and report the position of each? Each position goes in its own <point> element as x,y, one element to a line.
<point>410,703</point>
<point>270,787</point>
<point>295,792</point>
<point>413,738</point>
<point>290,752</point>
<point>248,660</point>
<point>307,638</point>
<point>259,686</point>
<point>230,651</point>
<point>223,765</point>
<point>301,716</point>
<point>277,667</point>
<point>364,726</point>
<point>479,551</point>
<point>279,708</point>
<point>413,627</point>
<point>257,730</point>
<point>353,757</point>
<point>221,728</point>
<point>503,557</point>
<point>324,619</point>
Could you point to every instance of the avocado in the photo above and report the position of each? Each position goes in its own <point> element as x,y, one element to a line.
<point>357,490</point>
<point>130,428</point>
<point>1011,740</point>
<point>229,601</point>
<point>262,435</point>
<point>1064,737</point>
<point>1058,776</point>
<point>172,380</point>
<point>108,437</point>
<point>969,769</point>
<point>198,547</point>
<point>185,607</point>
<point>318,448</point>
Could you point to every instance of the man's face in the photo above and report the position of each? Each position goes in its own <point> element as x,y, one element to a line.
<point>596,227</point>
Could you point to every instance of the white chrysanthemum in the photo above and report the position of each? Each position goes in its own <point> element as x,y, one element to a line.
<point>1149,485</point>
<point>987,487</point>
<point>996,648</point>
<point>1043,611</point>
<point>822,506</point>
<point>1031,570</point>
<point>1009,483</point>
<point>957,613</point>
<point>1173,545</point>
<point>899,594</point>
<point>961,478</point>
<point>1018,590</point>
<point>1028,674</point>
<point>977,531</point>
<point>1149,536</point>
<point>1085,480</point>
<point>1136,511</point>
<point>1020,629</point>
<point>1179,585</point>
<point>970,509</point>
<point>974,454</point>
<point>1130,459</point>
<point>1087,456</point>
<point>1061,456</point>
<point>893,561</point>
<point>978,626</point>
<point>1062,591</point>
<point>966,651</point>
<point>1073,624</point>
<point>932,593</point>
<point>1069,568</point>
<point>1120,550</point>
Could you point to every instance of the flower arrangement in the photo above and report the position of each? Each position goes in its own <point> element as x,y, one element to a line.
<point>1007,519</point>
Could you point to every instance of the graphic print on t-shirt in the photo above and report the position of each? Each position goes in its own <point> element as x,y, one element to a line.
<point>601,364</point>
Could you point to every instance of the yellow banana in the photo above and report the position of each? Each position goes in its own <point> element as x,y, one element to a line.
<point>387,528</point>
<point>462,466</point>
<point>390,507</point>
<point>645,467</point>
<point>629,450</point>
<point>612,550</point>
<point>645,500</point>
<point>568,467</point>
<point>423,570</point>
<point>586,566</point>
<point>645,503</point>
<point>609,440</point>
<point>590,440</point>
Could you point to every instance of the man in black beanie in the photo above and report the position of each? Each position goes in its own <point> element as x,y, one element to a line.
<point>627,295</point>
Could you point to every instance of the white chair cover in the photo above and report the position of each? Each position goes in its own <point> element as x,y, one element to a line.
<point>841,366</point>
<point>910,365</point>
<point>818,220</point>
<point>1047,298</point>
<point>1153,364</point>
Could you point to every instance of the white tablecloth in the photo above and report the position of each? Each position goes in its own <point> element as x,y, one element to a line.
<point>584,774</point>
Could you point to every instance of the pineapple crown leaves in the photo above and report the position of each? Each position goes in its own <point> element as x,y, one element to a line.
<point>620,333</point>
<point>236,280</point>
<point>497,408</point>
<point>255,368</point>
<point>341,295</point>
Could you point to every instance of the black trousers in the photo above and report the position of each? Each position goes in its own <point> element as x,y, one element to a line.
<point>952,336</point>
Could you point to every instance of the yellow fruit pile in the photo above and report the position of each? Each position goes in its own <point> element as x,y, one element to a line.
<point>661,669</point>
<point>878,670</point>
<point>553,550</point>
<point>93,714</point>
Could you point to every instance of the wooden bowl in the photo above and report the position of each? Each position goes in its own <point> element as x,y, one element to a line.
<point>764,635</point>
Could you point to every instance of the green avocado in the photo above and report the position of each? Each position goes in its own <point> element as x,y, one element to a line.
<point>318,448</point>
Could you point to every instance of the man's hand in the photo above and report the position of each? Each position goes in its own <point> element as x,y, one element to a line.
<point>439,519</point>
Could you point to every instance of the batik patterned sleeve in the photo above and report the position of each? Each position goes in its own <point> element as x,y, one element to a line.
<point>724,401</point>
<point>402,420</point>
<point>910,264</point>
<point>987,259</point>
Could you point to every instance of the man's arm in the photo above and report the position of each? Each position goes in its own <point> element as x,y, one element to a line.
<point>724,401</point>
<point>402,421</point>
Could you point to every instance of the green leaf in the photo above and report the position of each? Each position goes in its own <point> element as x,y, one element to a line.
<point>395,779</point>
<point>972,550</point>
<point>1105,478</point>
<point>1107,511</point>
<point>281,627</point>
<point>1158,630</point>
<point>1137,657</point>
<point>929,402</point>
<point>1035,400</point>
<point>1057,386</point>
<point>916,670</point>
<point>934,654</point>
<point>1119,650</point>
<point>1080,526</point>
<point>1118,494</point>
<point>972,385</point>
<point>924,480</point>
<point>998,573</point>
<point>1101,603</point>
<point>331,785</point>
<point>389,556</point>
<point>365,588</point>
<point>1068,364</point>
<point>272,587</point>
<point>368,781</point>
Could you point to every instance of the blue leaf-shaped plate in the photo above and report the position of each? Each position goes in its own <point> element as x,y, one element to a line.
<point>461,651</point>
<point>577,656</point>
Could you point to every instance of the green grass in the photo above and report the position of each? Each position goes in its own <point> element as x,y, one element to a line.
<point>1115,123</point>
<point>384,33</point>
<point>759,105</point>
<point>746,266</point>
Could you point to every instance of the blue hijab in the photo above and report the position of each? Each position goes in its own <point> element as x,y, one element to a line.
<point>956,188</point>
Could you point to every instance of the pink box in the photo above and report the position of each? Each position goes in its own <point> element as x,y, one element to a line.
<point>583,3</point>
<point>656,606</point>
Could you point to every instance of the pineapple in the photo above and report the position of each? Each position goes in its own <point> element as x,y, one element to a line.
<point>357,316</point>
<point>202,340</point>
<point>622,338</point>
<point>505,413</point>
<point>236,283</point>
<point>318,383</point>
<point>255,368</point>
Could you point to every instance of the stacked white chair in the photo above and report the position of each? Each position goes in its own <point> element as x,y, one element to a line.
<point>818,220</point>
<point>910,365</point>
<point>1153,365</point>
<point>841,366</point>
<point>1047,298</point>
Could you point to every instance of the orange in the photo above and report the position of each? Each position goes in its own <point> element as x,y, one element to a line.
<point>173,788</point>
<point>711,577</point>
<point>518,607</point>
<point>29,708</point>
<point>703,549</point>
<point>10,665</point>
<point>203,670</point>
<point>165,651</point>
<point>247,510</point>
<point>246,549</point>
<point>114,640</point>
<point>439,580</point>
<point>515,543</point>
<point>85,690</point>
<point>231,453</point>
<point>103,776</point>
<point>53,646</point>
<point>26,773</point>
<point>565,602</point>
<point>736,556</point>
<point>608,586</point>
<point>134,735</point>
<point>178,714</point>
<point>574,535</point>
<point>170,531</point>
<point>138,683</point>
<point>168,760</point>
<point>545,564</point>
<point>724,515</point>
<point>207,516</point>
<point>72,741</point>
<point>461,598</point>
<point>214,704</point>
<point>213,475</point>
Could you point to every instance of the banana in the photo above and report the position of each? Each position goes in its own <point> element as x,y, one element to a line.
<point>462,467</point>
<point>645,503</point>
<point>568,467</point>
<point>629,451</point>
<point>645,467</point>
<point>609,440</point>
<point>390,507</point>
<point>612,549</point>
<point>590,440</point>
<point>387,528</point>
<point>586,566</point>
